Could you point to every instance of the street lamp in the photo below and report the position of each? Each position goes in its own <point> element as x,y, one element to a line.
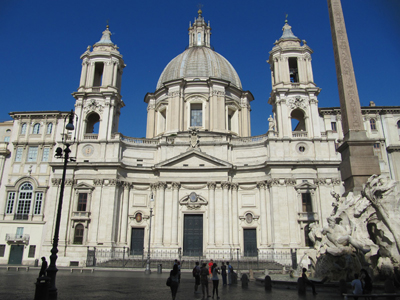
<point>52,269</point>
<point>148,271</point>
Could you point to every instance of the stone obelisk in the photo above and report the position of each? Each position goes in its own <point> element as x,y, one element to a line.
<point>358,159</point>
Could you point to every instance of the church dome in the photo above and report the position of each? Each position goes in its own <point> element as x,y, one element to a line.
<point>199,62</point>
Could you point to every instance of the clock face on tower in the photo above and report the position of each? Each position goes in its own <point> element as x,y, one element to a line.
<point>87,150</point>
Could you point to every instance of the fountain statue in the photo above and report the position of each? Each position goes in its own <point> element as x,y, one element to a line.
<point>362,232</point>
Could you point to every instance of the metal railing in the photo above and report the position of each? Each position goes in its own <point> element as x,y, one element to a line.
<point>128,258</point>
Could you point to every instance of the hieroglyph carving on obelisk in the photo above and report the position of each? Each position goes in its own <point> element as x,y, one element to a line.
<point>348,93</point>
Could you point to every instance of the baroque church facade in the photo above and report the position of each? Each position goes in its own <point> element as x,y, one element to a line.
<point>207,186</point>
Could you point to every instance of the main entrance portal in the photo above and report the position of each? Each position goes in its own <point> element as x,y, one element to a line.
<point>250,242</point>
<point>137,241</point>
<point>193,235</point>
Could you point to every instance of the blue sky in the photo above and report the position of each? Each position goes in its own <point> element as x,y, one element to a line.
<point>43,40</point>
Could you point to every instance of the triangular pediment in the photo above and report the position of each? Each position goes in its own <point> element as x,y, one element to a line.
<point>193,159</point>
<point>84,186</point>
<point>305,186</point>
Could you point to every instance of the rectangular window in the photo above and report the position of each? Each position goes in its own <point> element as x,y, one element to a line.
<point>18,155</point>
<point>7,139</point>
<point>82,201</point>
<point>32,154</point>
<point>38,204</point>
<point>32,250</point>
<point>45,156</point>
<point>306,202</point>
<point>196,115</point>
<point>10,202</point>
<point>2,250</point>
<point>333,126</point>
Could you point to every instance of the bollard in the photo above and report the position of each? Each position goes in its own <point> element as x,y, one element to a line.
<point>245,281</point>
<point>301,286</point>
<point>42,288</point>
<point>268,283</point>
<point>251,274</point>
<point>234,277</point>
<point>159,269</point>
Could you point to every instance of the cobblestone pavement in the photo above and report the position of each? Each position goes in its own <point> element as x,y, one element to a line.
<point>112,285</point>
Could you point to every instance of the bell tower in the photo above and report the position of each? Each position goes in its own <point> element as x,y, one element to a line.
<point>98,99</point>
<point>294,93</point>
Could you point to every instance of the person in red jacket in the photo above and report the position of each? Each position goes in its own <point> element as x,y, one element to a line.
<point>210,264</point>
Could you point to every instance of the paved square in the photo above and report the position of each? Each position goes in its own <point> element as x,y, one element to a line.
<point>112,285</point>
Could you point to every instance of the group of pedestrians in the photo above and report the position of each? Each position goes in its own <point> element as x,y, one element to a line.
<point>202,275</point>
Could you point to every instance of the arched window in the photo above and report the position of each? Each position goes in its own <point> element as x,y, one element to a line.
<point>49,128</point>
<point>372,124</point>
<point>78,236</point>
<point>24,201</point>
<point>25,195</point>
<point>36,128</point>
<point>92,123</point>
<point>298,121</point>
<point>23,128</point>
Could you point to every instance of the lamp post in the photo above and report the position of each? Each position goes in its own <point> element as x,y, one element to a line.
<point>52,269</point>
<point>148,271</point>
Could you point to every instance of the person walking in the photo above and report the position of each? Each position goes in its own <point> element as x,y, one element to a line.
<point>196,275</point>
<point>230,271</point>
<point>43,269</point>
<point>204,280</point>
<point>223,273</point>
<point>308,281</point>
<point>174,275</point>
<point>215,279</point>
<point>357,286</point>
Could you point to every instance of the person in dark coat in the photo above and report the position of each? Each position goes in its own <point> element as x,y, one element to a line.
<point>174,274</point>
<point>308,281</point>
<point>43,269</point>
<point>223,273</point>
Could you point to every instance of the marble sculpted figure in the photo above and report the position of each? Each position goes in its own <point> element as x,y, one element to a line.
<point>359,233</point>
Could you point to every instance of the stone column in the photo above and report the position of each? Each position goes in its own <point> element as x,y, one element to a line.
<point>211,213</point>
<point>175,213</point>
<point>235,215</point>
<point>124,213</point>
<point>159,213</point>
<point>225,219</point>
<point>263,210</point>
<point>84,73</point>
<point>115,73</point>
<point>356,148</point>
<point>96,204</point>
